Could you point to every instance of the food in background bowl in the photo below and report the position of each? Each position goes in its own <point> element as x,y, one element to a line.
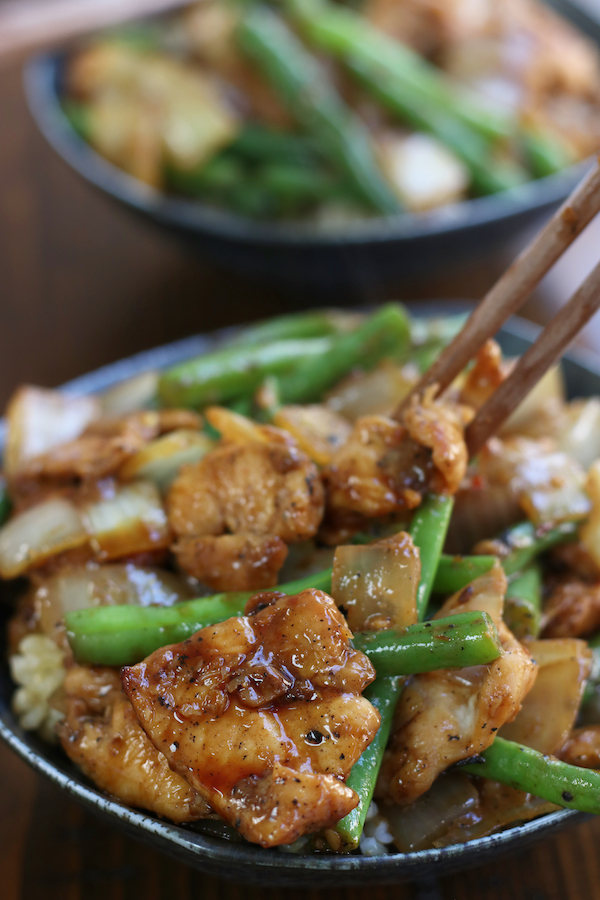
<point>317,111</point>
<point>274,471</point>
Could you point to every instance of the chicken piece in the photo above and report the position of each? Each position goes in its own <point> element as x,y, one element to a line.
<point>262,487</point>
<point>99,452</point>
<point>486,375</point>
<point>573,609</point>
<point>448,715</point>
<point>262,714</point>
<point>232,562</point>
<point>583,747</point>
<point>386,466</point>
<point>101,734</point>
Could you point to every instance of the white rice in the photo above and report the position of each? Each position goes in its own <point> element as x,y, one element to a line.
<point>37,667</point>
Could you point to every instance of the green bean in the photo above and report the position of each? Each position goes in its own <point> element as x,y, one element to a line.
<point>428,531</point>
<point>214,178</point>
<point>527,770</point>
<point>546,154</point>
<point>228,373</point>
<point>260,144</point>
<point>339,30</point>
<point>411,89</point>
<point>383,334</point>
<point>523,603</point>
<point>5,501</point>
<point>78,115</point>
<point>294,326</point>
<point>456,572</point>
<point>122,635</point>
<point>526,541</point>
<point>307,92</point>
<point>463,639</point>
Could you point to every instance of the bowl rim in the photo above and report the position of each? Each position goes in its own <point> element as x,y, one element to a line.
<point>42,75</point>
<point>247,861</point>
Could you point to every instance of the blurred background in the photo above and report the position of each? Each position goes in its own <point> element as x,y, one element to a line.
<point>83,282</point>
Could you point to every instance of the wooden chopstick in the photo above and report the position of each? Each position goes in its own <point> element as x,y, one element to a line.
<point>515,285</point>
<point>543,354</point>
<point>27,25</point>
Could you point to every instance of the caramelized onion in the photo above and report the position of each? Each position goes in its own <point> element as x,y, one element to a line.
<point>319,431</point>
<point>550,708</point>
<point>161,460</point>
<point>37,534</point>
<point>376,584</point>
<point>129,520</point>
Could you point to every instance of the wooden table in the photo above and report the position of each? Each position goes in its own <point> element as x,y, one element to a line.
<point>81,284</point>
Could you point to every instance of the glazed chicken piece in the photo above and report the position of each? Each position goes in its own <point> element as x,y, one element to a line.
<point>101,734</point>
<point>573,609</point>
<point>386,466</point>
<point>448,715</point>
<point>582,747</point>
<point>262,714</point>
<point>236,509</point>
<point>100,450</point>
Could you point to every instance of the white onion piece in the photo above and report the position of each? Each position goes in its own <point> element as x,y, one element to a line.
<point>415,827</point>
<point>129,396</point>
<point>112,584</point>
<point>548,484</point>
<point>39,419</point>
<point>161,460</point>
<point>319,431</point>
<point>540,412</point>
<point>423,172</point>
<point>377,583</point>
<point>372,393</point>
<point>131,520</point>
<point>579,435</point>
<point>563,667</point>
<point>33,536</point>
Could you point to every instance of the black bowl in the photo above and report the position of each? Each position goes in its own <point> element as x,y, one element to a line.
<point>242,861</point>
<point>360,256</point>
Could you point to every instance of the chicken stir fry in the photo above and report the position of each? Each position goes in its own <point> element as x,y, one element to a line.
<point>198,545</point>
<point>263,715</point>
<point>285,117</point>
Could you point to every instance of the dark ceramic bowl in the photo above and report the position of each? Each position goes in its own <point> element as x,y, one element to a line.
<point>358,257</point>
<point>243,861</point>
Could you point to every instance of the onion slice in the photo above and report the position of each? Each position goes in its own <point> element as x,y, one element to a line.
<point>37,534</point>
<point>39,420</point>
<point>160,461</point>
<point>130,520</point>
<point>377,583</point>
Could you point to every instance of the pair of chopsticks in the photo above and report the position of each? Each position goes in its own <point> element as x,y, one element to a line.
<point>505,298</point>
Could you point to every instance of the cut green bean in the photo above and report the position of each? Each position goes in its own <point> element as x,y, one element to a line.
<point>523,604</point>
<point>385,333</point>
<point>546,155</point>
<point>456,572</point>
<point>463,639</point>
<point>543,776</point>
<point>295,326</point>
<point>526,542</point>
<point>428,531</point>
<point>306,91</point>
<point>411,89</point>
<point>122,635</point>
<point>224,375</point>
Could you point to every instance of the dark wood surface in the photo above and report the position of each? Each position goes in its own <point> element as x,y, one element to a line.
<point>81,284</point>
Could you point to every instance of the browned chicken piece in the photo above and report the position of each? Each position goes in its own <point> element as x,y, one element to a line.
<point>256,488</point>
<point>262,714</point>
<point>386,466</point>
<point>101,734</point>
<point>99,452</point>
<point>582,747</point>
<point>485,376</point>
<point>573,609</point>
<point>242,562</point>
<point>449,715</point>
